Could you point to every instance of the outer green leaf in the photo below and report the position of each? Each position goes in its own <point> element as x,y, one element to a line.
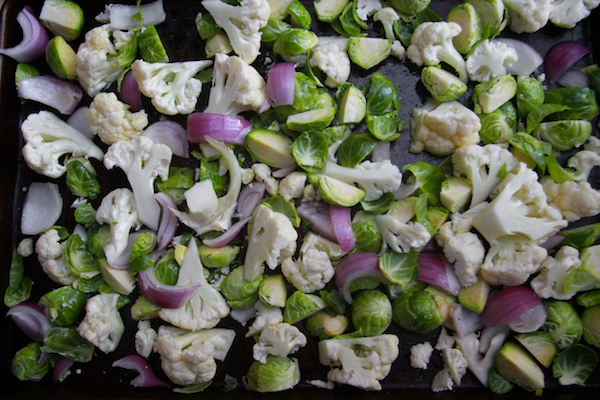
<point>310,151</point>
<point>355,148</point>
<point>379,206</point>
<point>574,365</point>
<point>399,268</point>
<point>80,181</point>
<point>67,342</point>
<point>431,179</point>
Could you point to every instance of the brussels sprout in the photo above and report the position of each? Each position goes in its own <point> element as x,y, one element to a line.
<point>301,305</point>
<point>63,306</point>
<point>80,181</point>
<point>270,147</point>
<point>151,46</point>
<point>98,237</point>
<point>441,84</point>
<point>488,96</point>
<point>590,320</point>
<point>142,309</point>
<point>531,148</point>
<point>307,96</point>
<point>593,73</point>
<point>218,44</point>
<point>498,126</point>
<point>514,363</point>
<point>497,383</point>
<point>417,312</point>
<point>339,193</point>
<point>437,216</point>
<point>380,205</point>
<point>353,106</point>
<point>348,24</point>
<point>581,237</point>
<point>80,259</point>
<point>287,208</point>
<point>279,373</point>
<point>455,193</point>
<point>366,283</point>
<point>574,365</point>
<point>299,15</point>
<point>474,297</point>
<point>24,71</point>
<point>530,95</point>
<point>92,285</point>
<point>410,7</point>
<point>127,55</point>
<point>466,16</point>
<point>355,148</point>
<point>19,286</point>
<point>85,214</point>
<point>329,10</point>
<point>239,292</point>
<point>562,323</point>
<point>334,300</point>
<point>492,15</point>
<point>581,103</point>
<point>179,180</point>
<point>335,133</point>
<point>66,341</point>
<point>295,41</point>
<point>25,365</point>
<point>61,58</point>
<point>588,299</point>
<point>587,275</point>
<point>399,268</point>
<point>367,52</point>
<point>272,291</point>
<point>206,26</point>
<point>325,326</point>
<point>541,346</point>
<point>143,245</point>
<point>217,257</point>
<point>208,170</point>
<point>310,150</point>
<point>371,312</point>
<point>564,135</point>
<point>312,120</point>
<point>273,30</point>
<point>120,280</point>
<point>383,106</point>
<point>179,254</point>
<point>63,17</point>
<point>278,8</point>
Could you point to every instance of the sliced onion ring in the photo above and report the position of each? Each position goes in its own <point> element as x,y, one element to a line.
<point>317,213</point>
<point>35,38</point>
<point>168,220</point>
<point>171,134</point>
<point>508,304</point>
<point>42,207</point>
<point>130,92</point>
<point>530,321</point>
<point>529,59</point>
<point>283,172</point>
<point>435,270</point>
<point>227,237</point>
<point>574,78</point>
<point>146,377</point>
<point>354,266</point>
<point>561,57</point>
<point>281,84</point>
<point>249,197</point>
<point>59,372</point>
<point>342,226</point>
<point>60,94</point>
<point>225,128</point>
<point>30,318</point>
<point>160,294</point>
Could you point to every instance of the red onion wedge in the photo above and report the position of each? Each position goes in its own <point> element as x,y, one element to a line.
<point>171,134</point>
<point>281,84</point>
<point>561,57</point>
<point>60,94</point>
<point>249,197</point>
<point>168,220</point>
<point>61,369</point>
<point>35,38</point>
<point>283,172</point>
<point>120,15</point>
<point>160,294</point>
<point>146,377</point>
<point>30,318</point>
<point>342,226</point>
<point>553,241</point>
<point>574,79</point>
<point>317,213</point>
<point>530,321</point>
<point>42,207</point>
<point>227,237</point>
<point>354,266</point>
<point>130,92</point>
<point>225,128</point>
<point>529,59</point>
<point>436,271</point>
<point>464,320</point>
<point>508,304</point>
<point>79,122</point>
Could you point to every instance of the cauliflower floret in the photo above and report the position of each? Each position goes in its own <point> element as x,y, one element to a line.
<point>574,200</point>
<point>25,247</point>
<point>51,255</point>
<point>310,193</point>
<point>266,315</point>
<point>445,340</point>
<point>398,50</point>
<point>330,55</point>
<point>400,234</point>
<point>292,186</point>
<point>527,15</point>
<point>313,241</point>
<point>262,173</point>
<point>273,238</point>
<point>420,354</point>
<point>464,250</point>
<point>247,175</point>
<point>442,128</point>
<point>102,325</point>
<point>455,363</point>
<point>593,144</point>
<point>145,339</point>
<point>278,340</point>
<point>548,284</point>
<point>489,60</point>
<point>584,161</point>
<point>122,38</point>
<point>478,364</point>
<point>112,121</point>
<point>512,263</point>
<point>442,381</point>
<point>366,8</point>
<point>312,271</point>
<point>568,13</point>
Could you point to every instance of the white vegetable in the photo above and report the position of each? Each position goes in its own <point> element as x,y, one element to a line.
<point>102,325</point>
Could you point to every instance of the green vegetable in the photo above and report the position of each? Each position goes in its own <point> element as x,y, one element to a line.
<point>80,258</point>
<point>206,26</point>
<point>317,119</point>
<point>307,96</point>
<point>515,364</point>
<point>324,325</point>
<point>66,342</point>
<point>299,15</point>
<point>564,135</point>
<point>61,58</point>
<point>588,299</point>
<point>218,257</point>
<point>574,365</point>
<point>593,73</point>
<point>218,44</point>
<point>431,179</point>
<point>367,52</point>
<point>455,193</point>
<point>399,268</point>
<point>492,14</point>
<point>371,312</point>
<point>355,149</point>
<point>581,237</point>
<point>150,45</point>
<point>118,280</point>
<point>336,192</point>
<point>581,103</point>
<point>383,106</point>
<point>167,269</point>
<point>531,147</point>
<point>63,306</point>
<point>348,25</point>
<point>540,344</point>
<point>295,41</point>
<point>310,151</point>
<point>416,312</point>
<point>474,297</point>
<point>85,214</point>
<point>490,95</point>
<point>273,30</point>
<point>279,373</point>
<point>80,181</point>
<point>98,237</point>
<point>334,300</point>
<point>353,106</point>
<point>530,95</point>
<point>380,205</point>
<point>25,71</point>
<point>25,364</point>
<point>466,16</point>
<point>272,291</point>
<point>142,309</point>
<point>497,383</point>
<point>63,17</point>
<point>239,292</point>
<point>539,113</point>
<point>587,275</point>
<point>329,10</point>
<point>301,305</point>
<point>143,245</point>
<point>590,320</point>
<point>410,7</point>
<point>498,126</point>
<point>562,323</point>
<point>270,147</point>
<point>19,286</point>
<point>441,84</point>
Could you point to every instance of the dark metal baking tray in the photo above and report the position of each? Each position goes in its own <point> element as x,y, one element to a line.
<point>97,380</point>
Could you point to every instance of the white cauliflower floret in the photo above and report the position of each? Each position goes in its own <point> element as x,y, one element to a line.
<point>574,200</point>
<point>273,238</point>
<point>366,8</point>
<point>361,362</point>
<point>145,339</point>
<point>266,315</point>
<point>188,358</point>
<point>464,250</point>
<point>548,283</point>
<point>401,235</point>
<point>278,340</point>
<point>311,272</point>
<point>527,15</point>
<point>247,175</point>
<point>171,86</point>
<point>512,263</point>
<point>398,50</point>
<point>568,13</point>
<point>479,364</point>
<point>112,121</point>
<point>102,325</point>
<point>25,247</point>
<point>442,381</point>
<point>292,186</point>
<point>442,128</point>
<point>51,255</point>
<point>445,340</point>
<point>420,354</point>
<point>489,60</point>
<point>262,173</point>
<point>330,55</point>
<point>205,307</point>
<point>122,38</point>
<point>310,193</point>
<point>593,144</point>
<point>455,363</point>
<point>584,161</point>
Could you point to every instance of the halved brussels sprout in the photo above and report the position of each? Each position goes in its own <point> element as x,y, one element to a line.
<point>514,363</point>
<point>329,10</point>
<point>562,323</point>
<point>353,106</point>
<point>590,319</point>
<point>151,46</point>
<point>492,14</point>
<point>410,7</point>
<point>490,95</point>
<point>278,8</point>
<point>355,148</point>
<point>540,345</point>
<point>441,84</point>
<point>417,312</point>
<point>270,147</point>
<point>121,280</point>
<point>582,236</point>
<point>218,44</point>
<point>399,268</point>
<point>301,305</point>
<point>337,192</point>
<point>475,296</point>
<point>498,126</point>
<point>25,71</point>
<point>574,365</point>
<point>295,41</point>
<point>366,233</point>
<point>530,95</point>
<point>367,52</point>
<point>142,309</point>
<point>371,312</point>
<point>25,365</point>
<point>277,374</point>
<point>456,193</point>
<point>239,292</point>
<point>299,15</point>
<point>324,325</point>
<point>564,135</point>
<point>466,16</point>
<point>272,291</point>
<point>61,58</point>
<point>217,257</point>
<point>63,17</point>
<point>63,306</point>
<point>312,120</point>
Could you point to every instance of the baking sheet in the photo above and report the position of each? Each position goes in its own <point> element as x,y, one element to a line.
<point>97,379</point>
